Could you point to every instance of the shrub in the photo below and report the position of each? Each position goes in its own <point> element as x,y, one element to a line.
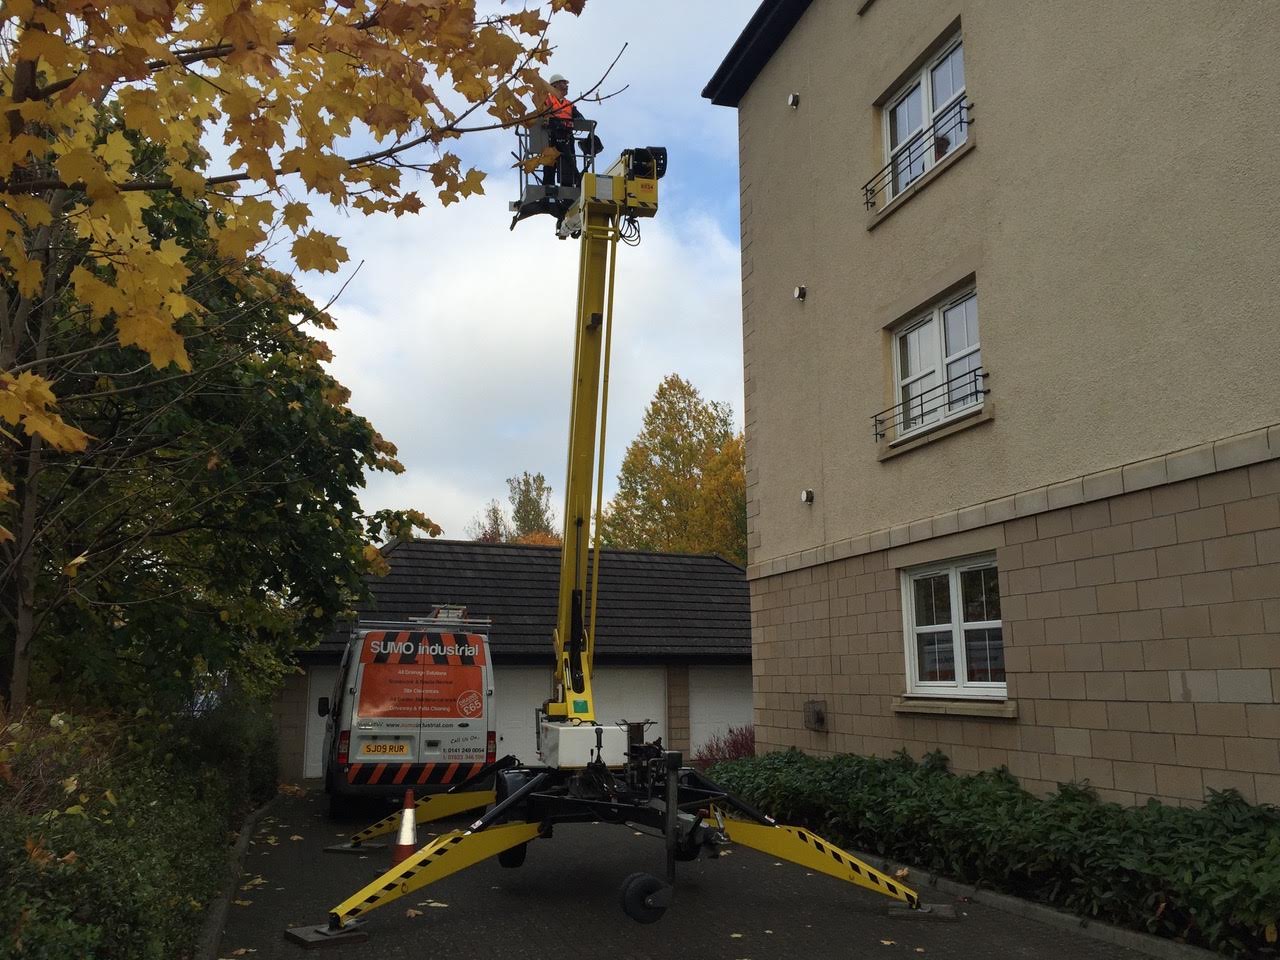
<point>737,743</point>
<point>1207,875</point>
<point>114,832</point>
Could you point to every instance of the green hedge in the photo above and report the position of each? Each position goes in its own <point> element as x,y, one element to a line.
<point>114,833</point>
<point>1207,875</point>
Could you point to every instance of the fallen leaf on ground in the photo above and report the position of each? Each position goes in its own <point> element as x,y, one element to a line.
<point>295,837</point>
<point>242,903</point>
<point>902,873</point>
<point>736,936</point>
<point>888,943</point>
<point>412,913</point>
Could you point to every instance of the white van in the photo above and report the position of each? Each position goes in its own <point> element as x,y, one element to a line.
<point>413,707</point>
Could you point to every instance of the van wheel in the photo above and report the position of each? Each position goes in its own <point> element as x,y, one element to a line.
<point>341,807</point>
<point>514,856</point>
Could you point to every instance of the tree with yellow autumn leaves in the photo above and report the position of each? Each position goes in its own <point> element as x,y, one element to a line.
<point>682,485</point>
<point>149,150</point>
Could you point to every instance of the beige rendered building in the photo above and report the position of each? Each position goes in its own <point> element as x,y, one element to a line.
<point>1013,406</point>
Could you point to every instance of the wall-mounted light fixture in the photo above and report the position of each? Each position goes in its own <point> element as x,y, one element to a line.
<point>793,100</point>
<point>806,496</point>
<point>815,715</point>
<point>800,292</point>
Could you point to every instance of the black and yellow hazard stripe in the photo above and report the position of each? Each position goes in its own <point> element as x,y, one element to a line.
<point>444,855</point>
<point>409,774</point>
<point>809,850</point>
<point>434,807</point>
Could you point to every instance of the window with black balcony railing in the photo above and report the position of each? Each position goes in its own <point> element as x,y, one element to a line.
<point>932,405</point>
<point>937,369</point>
<point>926,121</point>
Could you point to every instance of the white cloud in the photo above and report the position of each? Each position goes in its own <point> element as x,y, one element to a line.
<point>456,336</point>
<point>456,339</point>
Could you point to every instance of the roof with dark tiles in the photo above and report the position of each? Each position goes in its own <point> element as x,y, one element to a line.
<point>653,606</point>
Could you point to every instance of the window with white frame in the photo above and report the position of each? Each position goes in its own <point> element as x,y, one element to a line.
<point>938,365</point>
<point>927,118</point>
<point>951,621</point>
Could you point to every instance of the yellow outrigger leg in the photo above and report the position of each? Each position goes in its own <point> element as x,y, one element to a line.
<point>446,854</point>
<point>435,807</point>
<point>809,850</point>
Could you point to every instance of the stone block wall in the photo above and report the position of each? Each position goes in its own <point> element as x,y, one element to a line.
<point>678,707</point>
<point>1142,646</point>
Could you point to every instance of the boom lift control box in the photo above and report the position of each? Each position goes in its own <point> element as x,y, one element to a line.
<point>576,746</point>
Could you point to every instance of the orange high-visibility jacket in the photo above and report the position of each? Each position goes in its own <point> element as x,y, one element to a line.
<point>560,109</point>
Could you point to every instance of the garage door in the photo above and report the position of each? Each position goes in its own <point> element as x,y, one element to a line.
<point>630,693</point>
<point>320,683</point>
<point>719,698</point>
<point>633,693</point>
<point>517,692</point>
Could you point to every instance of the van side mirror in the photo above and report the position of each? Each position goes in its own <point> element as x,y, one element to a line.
<point>322,707</point>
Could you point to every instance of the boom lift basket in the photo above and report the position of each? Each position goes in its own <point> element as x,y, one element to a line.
<point>537,197</point>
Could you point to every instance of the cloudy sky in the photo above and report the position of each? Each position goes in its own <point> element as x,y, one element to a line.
<point>456,336</point>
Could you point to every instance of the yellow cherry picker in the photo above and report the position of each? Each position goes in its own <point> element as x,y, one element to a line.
<point>587,770</point>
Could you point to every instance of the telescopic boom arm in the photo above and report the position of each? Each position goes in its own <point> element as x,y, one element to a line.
<point>608,204</point>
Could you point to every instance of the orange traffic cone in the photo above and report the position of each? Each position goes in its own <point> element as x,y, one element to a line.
<point>407,841</point>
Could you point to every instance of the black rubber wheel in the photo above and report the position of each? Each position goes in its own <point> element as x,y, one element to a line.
<point>635,889</point>
<point>513,856</point>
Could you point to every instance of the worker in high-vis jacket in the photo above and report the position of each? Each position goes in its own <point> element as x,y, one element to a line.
<point>559,120</point>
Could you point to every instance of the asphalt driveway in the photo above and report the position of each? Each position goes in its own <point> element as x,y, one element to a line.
<point>564,900</point>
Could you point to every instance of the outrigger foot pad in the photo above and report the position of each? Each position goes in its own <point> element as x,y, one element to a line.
<point>354,847</point>
<point>325,936</point>
<point>926,911</point>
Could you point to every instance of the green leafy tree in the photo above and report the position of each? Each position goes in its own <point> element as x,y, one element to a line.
<point>682,487</point>
<point>491,526</point>
<point>532,518</point>
<point>212,525</point>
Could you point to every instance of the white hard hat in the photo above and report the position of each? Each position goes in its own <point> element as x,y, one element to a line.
<point>557,78</point>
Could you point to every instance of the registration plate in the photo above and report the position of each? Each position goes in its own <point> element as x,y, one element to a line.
<point>385,749</point>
